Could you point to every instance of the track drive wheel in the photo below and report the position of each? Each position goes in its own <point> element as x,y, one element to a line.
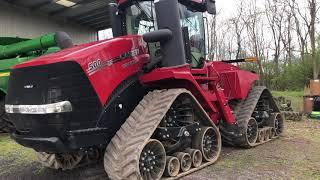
<point>152,161</point>
<point>59,161</point>
<point>209,142</point>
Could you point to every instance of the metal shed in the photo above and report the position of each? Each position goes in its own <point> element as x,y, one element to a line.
<point>82,19</point>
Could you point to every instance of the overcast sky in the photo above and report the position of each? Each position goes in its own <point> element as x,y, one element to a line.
<point>226,7</point>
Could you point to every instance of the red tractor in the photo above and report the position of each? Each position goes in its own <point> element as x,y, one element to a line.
<point>151,105</point>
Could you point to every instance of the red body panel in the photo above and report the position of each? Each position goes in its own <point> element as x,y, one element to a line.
<point>204,85</point>
<point>235,82</point>
<point>108,63</point>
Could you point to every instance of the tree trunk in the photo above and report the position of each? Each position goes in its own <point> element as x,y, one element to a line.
<point>312,31</point>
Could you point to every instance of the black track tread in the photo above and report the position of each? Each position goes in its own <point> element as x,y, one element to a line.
<point>121,160</point>
<point>242,114</point>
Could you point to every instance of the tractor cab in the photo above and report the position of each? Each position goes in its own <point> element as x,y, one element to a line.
<point>135,17</point>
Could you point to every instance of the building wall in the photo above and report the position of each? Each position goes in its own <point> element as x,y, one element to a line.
<point>14,22</point>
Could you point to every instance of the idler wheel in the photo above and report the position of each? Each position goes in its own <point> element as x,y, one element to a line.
<point>185,160</point>
<point>208,142</point>
<point>278,124</point>
<point>172,166</point>
<point>252,131</point>
<point>152,161</point>
<point>196,157</point>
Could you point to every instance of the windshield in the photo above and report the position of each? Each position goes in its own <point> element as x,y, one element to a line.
<point>140,18</point>
<point>194,22</point>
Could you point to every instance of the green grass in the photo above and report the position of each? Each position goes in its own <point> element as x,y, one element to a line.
<point>14,154</point>
<point>296,98</point>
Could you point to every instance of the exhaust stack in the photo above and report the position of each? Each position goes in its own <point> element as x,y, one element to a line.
<point>173,53</point>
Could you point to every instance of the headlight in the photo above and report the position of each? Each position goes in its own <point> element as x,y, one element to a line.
<point>60,107</point>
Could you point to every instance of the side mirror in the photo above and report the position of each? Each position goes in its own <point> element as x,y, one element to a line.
<point>211,7</point>
<point>116,24</point>
<point>161,35</point>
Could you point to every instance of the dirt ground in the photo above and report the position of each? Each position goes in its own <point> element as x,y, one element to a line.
<point>296,155</point>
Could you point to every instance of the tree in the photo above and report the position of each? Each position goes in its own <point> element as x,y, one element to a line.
<point>252,21</point>
<point>312,31</point>
<point>301,33</point>
<point>310,23</point>
<point>275,16</point>
<point>239,27</point>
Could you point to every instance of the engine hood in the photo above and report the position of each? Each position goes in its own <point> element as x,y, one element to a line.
<point>85,53</point>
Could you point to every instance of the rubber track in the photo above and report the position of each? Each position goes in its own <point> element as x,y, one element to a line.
<point>50,161</point>
<point>242,113</point>
<point>121,158</point>
<point>291,115</point>
<point>5,125</point>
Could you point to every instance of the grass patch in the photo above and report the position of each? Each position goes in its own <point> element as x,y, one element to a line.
<point>17,155</point>
<point>296,98</point>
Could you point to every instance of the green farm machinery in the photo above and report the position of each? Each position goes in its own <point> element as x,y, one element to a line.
<point>14,50</point>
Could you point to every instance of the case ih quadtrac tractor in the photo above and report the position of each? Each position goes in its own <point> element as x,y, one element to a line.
<point>150,105</point>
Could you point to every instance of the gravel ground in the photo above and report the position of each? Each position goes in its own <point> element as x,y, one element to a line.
<point>296,155</point>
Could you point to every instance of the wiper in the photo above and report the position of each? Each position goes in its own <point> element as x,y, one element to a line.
<point>194,27</point>
<point>144,12</point>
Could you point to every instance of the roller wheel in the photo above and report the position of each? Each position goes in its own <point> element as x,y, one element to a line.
<point>252,131</point>
<point>172,166</point>
<point>209,142</point>
<point>152,161</point>
<point>196,157</point>
<point>185,160</point>
<point>59,161</point>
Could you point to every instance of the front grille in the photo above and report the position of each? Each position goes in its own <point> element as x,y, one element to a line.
<point>46,84</point>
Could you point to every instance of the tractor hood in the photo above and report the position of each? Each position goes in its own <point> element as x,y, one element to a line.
<point>85,54</point>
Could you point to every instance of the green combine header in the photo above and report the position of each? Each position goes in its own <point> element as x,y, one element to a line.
<point>15,50</point>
